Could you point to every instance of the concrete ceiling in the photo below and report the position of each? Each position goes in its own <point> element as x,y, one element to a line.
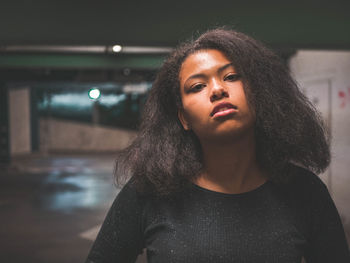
<point>280,24</point>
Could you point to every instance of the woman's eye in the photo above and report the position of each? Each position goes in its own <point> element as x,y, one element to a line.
<point>232,77</point>
<point>197,87</point>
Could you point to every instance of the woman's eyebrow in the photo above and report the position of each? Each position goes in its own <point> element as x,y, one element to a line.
<point>200,75</point>
<point>225,67</point>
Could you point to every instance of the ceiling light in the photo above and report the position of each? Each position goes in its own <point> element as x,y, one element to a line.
<point>117,48</point>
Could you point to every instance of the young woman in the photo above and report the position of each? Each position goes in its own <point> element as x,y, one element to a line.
<point>223,168</point>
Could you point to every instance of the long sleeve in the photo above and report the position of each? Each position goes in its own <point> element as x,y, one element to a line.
<point>120,238</point>
<point>328,241</point>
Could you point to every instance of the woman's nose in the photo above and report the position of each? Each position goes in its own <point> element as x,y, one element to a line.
<point>218,92</point>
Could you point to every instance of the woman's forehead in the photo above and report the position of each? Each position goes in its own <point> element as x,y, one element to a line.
<point>203,61</point>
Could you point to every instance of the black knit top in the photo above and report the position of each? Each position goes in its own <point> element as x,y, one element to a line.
<point>273,223</point>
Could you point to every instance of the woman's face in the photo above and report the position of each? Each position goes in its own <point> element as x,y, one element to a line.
<point>213,98</point>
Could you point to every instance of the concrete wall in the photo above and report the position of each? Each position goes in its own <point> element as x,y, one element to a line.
<point>325,78</point>
<point>19,119</point>
<point>67,136</point>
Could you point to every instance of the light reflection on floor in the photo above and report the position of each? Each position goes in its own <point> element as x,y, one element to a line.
<point>71,191</point>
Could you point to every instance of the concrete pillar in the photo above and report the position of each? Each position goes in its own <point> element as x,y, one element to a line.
<point>325,78</point>
<point>19,112</point>
<point>4,127</point>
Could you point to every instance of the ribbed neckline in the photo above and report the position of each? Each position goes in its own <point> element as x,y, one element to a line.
<point>245,194</point>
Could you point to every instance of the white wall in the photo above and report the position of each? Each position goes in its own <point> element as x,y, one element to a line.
<point>19,116</point>
<point>59,135</point>
<point>325,78</point>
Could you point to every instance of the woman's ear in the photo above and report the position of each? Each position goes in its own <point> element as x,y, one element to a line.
<point>181,115</point>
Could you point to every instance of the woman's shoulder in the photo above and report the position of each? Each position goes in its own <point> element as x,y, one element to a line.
<point>303,185</point>
<point>138,194</point>
<point>132,190</point>
<point>303,178</point>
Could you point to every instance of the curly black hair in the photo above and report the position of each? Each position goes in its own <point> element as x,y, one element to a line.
<point>288,129</point>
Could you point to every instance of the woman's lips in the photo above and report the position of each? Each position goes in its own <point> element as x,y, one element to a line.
<point>224,112</point>
<point>223,109</point>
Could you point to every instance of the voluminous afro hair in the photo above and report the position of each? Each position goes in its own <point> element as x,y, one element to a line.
<point>288,129</point>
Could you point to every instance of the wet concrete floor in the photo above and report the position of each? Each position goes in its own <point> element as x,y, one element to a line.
<point>51,207</point>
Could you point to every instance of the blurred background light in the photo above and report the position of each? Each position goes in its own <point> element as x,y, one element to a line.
<point>94,94</point>
<point>117,48</point>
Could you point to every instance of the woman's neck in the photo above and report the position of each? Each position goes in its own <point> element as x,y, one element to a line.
<point>230,166</point>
